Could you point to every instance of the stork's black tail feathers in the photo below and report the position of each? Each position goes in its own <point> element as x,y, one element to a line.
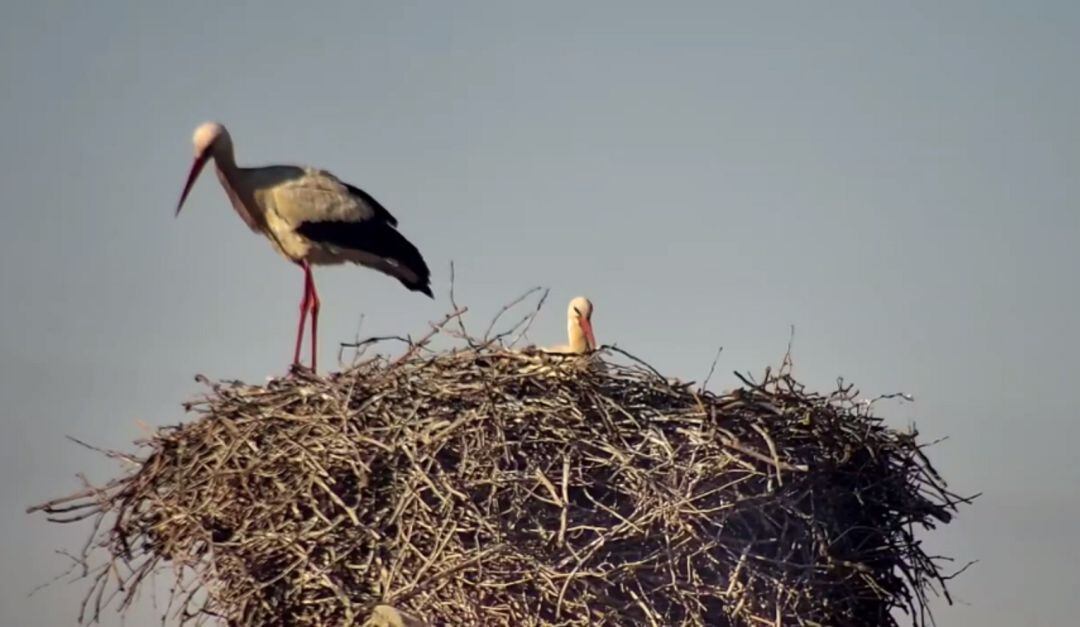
<point>376,244</point>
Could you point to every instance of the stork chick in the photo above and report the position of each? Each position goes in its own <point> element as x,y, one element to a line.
<point>578,329</point>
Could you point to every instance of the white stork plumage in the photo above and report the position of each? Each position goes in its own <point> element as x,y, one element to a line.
<point>578,329</point>
<point>311,218</point>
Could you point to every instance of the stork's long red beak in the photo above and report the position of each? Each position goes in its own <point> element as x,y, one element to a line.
<point>196,167</point>
<point>586,328</point>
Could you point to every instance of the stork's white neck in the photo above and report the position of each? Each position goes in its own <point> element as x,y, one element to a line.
<point>239,190</point>
<point>578,343</point>
<point>223,157</point>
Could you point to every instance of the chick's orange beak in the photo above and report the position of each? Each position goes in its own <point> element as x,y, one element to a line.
<point>586,328</point>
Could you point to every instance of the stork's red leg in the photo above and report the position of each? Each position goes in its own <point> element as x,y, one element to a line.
<point>313,304</point>
<point>305,303</point>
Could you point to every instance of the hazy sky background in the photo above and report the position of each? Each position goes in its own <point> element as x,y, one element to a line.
<point>899,183</point>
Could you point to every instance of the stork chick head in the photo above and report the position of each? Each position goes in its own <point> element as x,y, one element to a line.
<point>579,325</point>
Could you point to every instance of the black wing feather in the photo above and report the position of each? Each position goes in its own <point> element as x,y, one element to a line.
<point>381,213</point>
<point>378,238</point>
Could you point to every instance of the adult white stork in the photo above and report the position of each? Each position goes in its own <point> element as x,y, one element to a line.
<point>310,217</point>
<point>578,329</point>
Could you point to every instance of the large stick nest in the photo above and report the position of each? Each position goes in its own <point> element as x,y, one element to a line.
<point>489,486</point>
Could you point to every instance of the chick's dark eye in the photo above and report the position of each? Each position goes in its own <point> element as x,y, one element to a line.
<point>577,311</point>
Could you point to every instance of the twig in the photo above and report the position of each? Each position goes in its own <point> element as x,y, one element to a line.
<point>505,308</point>
<point>422,342</point>
<point>712,369</point>
<point>454,305</point>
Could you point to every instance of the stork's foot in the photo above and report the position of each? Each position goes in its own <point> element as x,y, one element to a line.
<point>301,371</point>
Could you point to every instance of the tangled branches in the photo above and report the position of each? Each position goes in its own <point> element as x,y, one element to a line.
<point>488,486</point>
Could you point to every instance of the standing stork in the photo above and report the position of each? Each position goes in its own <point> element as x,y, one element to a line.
<point>310,217</point>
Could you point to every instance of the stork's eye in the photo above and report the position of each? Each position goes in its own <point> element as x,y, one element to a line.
<point>577,311</point>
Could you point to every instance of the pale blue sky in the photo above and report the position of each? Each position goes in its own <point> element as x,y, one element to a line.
<point>899,183</point>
